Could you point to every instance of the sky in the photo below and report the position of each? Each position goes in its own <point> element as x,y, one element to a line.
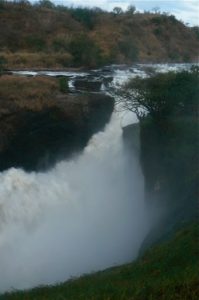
<point>185,10</point>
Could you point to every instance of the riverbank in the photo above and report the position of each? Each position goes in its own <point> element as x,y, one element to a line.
<point>167,271</point>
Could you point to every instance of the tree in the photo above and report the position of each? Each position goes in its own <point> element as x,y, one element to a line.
<point>131,9</point>
<point>156,10</point>
<point>162,95</point>
<point>117,10</point>
<point>85,16</point>
<point>84,50</point>
<point>45,3</point>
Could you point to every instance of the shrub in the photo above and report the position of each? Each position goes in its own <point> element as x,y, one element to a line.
<point>29,92</point>
<point>60,43</point>
<point>2,63</point>
<point>173,19</point>
<point>85,51</point>
<point>35,43</point>
<point>63,85</point>
<point>45,3</point>
<point>128,49</point>
<point>85,16</point>
<point>157,20</point>
<point>196,31</point>
<point>158,31</point>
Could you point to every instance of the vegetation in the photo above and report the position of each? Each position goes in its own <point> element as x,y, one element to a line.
<point>32,93</point>
<point>166,272</point>
<point>84,51</point>
<point>2,64</point>
<point>45,35</point>
<point>63,84</point>
<point>41,120</point>
<point>167,106</point>
<point>163,95</point>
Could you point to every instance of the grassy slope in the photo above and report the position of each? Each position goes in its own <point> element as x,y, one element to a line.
<point>32,93</point>
<point>167,271</point>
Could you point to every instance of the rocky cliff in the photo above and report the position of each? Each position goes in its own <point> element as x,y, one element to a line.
<point>169,150</point>
<point>40,125</point>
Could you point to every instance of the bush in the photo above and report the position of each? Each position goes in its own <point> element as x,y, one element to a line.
<point>2,63</point>
<point>63,85</point>
<point>45,3</point>
<point>85,52</point>
<point>196,31</point>
<point>128,48</point>
<point>35,43</point>
<point>60,43</point>
<point>85,16</point>
<point>158,31</point>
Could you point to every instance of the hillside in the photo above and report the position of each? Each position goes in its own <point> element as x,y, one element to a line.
<point>168,271</point>
<point>47,36</point>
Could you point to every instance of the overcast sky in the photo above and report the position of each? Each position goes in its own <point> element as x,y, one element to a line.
<point>186,10</point>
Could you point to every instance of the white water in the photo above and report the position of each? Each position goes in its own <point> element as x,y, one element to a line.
<point>84,215</point>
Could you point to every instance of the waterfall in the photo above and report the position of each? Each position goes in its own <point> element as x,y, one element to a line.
<point>84,215</point>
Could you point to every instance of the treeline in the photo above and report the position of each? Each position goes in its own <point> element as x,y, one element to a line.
<point>43,34</point>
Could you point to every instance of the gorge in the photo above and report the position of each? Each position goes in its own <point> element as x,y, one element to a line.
<point>87,211</point>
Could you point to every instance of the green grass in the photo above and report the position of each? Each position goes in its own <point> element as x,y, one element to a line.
<point>167,271</point>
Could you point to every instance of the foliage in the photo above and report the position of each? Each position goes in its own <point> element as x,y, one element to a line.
<point>196,31</point>
<point>131,9</point>
<point>117,10</point>
<point>45,3</point>
<point>167,105</point>
<point>119,36</point>
<point>84,15</point>
<point>63,85</point>
<point>158,31</point>
<point>35,43</point>
<point>168,271</point>
<point>162,95</point>
<point>173,19</point>
<point>2,63</point>
<point>85,52</point>
<point>158,20</point>
<point>128,49</point>
<point>31,93</point>
<point>61,43</point>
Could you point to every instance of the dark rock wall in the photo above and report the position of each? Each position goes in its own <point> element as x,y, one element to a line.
<point>169,167</point>
<point>36,140</point>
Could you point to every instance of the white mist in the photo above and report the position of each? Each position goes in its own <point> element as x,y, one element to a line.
<point>84,215</point>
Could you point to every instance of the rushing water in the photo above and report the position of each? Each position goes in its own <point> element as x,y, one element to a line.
<point>84,215</point>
